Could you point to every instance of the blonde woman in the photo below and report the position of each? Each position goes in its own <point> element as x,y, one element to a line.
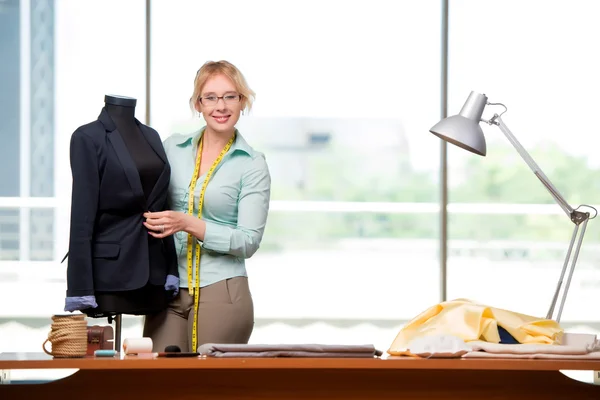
<point>231,185</point>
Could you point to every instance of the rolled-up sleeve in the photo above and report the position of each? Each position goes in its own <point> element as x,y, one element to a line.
<point>253,208</point>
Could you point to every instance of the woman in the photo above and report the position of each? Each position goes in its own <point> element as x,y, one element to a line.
<point>231,184</point>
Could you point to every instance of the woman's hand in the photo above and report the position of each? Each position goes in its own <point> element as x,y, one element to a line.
<point>164,223</point>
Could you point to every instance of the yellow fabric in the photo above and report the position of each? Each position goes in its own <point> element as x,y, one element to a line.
<point>471,321</point>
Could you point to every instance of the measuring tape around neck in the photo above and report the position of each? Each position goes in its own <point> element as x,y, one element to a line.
<point>195,289</point>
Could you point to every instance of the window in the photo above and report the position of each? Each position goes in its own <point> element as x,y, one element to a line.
<point>516,237</point>
<point>345,98</point>
<point>342,110</point>
<point>59,58</point>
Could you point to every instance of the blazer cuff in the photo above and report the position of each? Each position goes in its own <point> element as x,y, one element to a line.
<point>172,283</point>
<point>80,303</point>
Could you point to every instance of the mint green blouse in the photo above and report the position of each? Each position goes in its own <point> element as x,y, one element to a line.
<point>235,209</point>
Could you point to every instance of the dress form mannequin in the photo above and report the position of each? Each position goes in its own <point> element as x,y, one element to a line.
<point>121,110</point>
<point>150,297</point>
<point>120,171</point>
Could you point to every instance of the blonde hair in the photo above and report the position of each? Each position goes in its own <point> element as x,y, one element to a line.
<point>213,68</point>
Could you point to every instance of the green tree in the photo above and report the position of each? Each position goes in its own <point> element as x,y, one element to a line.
<point>501,177</point>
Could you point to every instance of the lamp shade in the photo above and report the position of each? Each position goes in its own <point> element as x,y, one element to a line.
<point>463,130</point>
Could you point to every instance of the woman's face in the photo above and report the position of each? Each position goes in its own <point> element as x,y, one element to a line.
<point>220,104</point>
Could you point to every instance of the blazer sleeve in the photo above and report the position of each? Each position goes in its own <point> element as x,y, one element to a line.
<point>84,205</point>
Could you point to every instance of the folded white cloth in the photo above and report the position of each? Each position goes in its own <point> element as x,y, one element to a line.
<point>574,345</point>
<point>438,346</point>
<point>498,348</point>
<point>554,356</point>
<point>587,340</point>
<point>288,350</point>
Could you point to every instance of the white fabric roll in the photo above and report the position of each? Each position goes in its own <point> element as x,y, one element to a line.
<point>137,345</point>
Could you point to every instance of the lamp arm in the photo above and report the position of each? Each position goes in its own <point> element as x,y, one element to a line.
<point>579,218</point>
<point>558,197</point>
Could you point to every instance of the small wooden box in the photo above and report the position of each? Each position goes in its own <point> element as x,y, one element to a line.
<point>99,338</point>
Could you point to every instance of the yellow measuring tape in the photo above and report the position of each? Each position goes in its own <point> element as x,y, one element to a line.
<point>195,290</point>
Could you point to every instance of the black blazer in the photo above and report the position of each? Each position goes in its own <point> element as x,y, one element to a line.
<point>109,247</point>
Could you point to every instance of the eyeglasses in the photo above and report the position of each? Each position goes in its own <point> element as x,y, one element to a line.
<point>228,99</point>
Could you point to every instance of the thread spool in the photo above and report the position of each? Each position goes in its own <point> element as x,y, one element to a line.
<point>68,336</point>
<point>137,345</point>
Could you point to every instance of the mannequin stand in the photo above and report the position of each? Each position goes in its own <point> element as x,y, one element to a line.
<point>118,320</point>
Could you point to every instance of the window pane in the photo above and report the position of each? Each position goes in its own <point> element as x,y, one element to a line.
<point>93,59</point>
<point>345,94</point>
<point>59,59</point>
<point>9,234</point>
<point>517,237</point>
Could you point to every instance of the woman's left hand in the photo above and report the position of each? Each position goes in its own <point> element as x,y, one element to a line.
<point>164,223</point>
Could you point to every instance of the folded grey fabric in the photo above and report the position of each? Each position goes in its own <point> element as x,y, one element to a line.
<point>288,350</point>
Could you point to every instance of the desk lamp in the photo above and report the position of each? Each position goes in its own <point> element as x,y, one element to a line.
<point>463,130</point>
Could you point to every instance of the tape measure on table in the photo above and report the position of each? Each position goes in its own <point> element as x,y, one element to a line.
<point>194,285</point>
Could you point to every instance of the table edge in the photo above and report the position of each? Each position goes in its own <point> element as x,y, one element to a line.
<point>304,363</point>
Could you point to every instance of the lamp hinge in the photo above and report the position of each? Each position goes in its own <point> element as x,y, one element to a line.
<point>577,217</point>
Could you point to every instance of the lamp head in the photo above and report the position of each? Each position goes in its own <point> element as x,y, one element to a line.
<point>463,130</point>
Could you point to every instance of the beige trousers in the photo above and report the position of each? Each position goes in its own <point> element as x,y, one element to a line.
<point>225,315</point>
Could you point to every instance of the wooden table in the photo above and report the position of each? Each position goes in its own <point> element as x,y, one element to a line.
<point>136,378</point>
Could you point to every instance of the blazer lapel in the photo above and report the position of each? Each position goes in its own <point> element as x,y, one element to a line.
<point>154,140</point>
<point>160,187</point>
<point>129,167</point>
<point>162,184</point>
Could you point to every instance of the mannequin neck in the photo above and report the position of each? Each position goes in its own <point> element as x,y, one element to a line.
<point>123,117</point>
